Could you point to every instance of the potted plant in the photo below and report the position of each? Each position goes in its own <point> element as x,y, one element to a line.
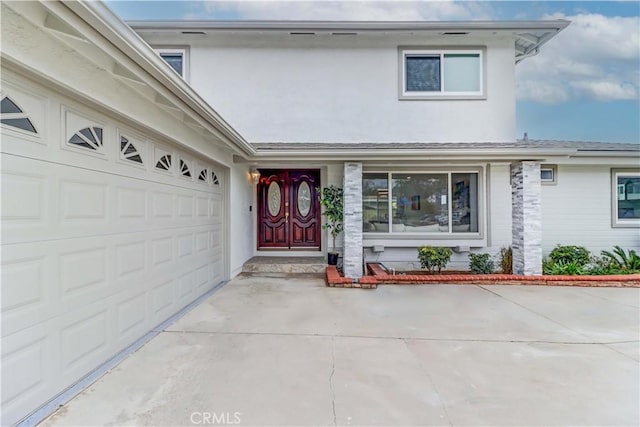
<point>331,198</point>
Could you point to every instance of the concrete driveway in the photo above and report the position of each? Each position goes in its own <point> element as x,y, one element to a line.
<point>289,351</point>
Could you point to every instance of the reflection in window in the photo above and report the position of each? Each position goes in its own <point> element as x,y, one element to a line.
<point>89,137</point>
<point>628,203</point>
<point>164,163</point>
<point>375,202</point>
<point>464,200</point>
<point>129,150</point>
<point>12,115</point>
<point>420,202</point>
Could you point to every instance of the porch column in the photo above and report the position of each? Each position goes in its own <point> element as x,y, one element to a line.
<point>352,256</point>
<point>526,211</point>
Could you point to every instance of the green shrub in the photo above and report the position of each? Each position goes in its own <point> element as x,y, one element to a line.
<point>563,268</point>
<point>506,260</point>
<point>578,255</point>
<point>434,258</point>
<point>480,264</point>
<point>620,262</point>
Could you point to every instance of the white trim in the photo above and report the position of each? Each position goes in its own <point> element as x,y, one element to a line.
<point>440,52</point>
<point>554,174</point>
<point>399,238</point>
<point>183,51</point>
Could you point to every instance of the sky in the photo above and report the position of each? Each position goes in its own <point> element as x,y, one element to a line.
<point>583,86</point>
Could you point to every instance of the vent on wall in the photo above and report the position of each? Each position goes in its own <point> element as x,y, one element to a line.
<point>164,163</point>
<point>129,151</point>
<point>12,115</point>
<point>89,137</point>
<point>184,169</point>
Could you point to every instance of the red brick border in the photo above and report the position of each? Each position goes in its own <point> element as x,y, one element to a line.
<point>335,280</point>
<point>619,280</point>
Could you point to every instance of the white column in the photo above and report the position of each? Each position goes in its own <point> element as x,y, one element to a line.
<point>352,258</point>
<point>526,193</point>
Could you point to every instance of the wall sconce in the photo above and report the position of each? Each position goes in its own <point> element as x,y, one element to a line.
<point>255,175</point>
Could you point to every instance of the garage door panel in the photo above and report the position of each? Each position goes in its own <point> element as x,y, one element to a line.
<point>164,300</point>
<point>131,259</point>
<point>27,368</point>
<point>84,339</point>
<point>132,318</point>
<point>29,287</point>
<point>83,202</point>
<point>131,204</point>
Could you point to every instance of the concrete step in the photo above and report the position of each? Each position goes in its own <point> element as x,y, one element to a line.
<point>288,264</point>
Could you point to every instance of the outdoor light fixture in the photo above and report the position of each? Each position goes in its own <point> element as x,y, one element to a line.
<point>255,175</point>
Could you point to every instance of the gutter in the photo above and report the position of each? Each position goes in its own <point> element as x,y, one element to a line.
<point>365,26</point>
<point>110,26</point>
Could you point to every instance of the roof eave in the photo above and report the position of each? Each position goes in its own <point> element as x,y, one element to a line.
<point>366,26</point>
<point>110,26</point>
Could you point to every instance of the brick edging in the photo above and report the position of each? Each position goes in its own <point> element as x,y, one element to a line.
<point>380,276</point>
<point>335,280</point>
<point>618,280</point>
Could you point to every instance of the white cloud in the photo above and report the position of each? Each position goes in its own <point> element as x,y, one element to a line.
<point>400,10</point>
<point>595,58</point>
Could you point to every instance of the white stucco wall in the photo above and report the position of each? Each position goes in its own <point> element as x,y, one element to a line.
<point>577,211</point>
<point>242,239</point>
<point>498,206</point>
<point>341,89</point>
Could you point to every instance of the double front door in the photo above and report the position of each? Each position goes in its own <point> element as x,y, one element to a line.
<point>289,209</point>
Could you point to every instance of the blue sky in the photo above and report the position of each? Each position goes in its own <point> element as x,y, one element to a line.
<point>585,85</point>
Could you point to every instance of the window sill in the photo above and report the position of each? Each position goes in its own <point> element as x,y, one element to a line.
<point>402,240</point>
<point>405,97</point>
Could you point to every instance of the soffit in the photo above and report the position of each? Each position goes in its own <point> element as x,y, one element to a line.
<point>528,36</point>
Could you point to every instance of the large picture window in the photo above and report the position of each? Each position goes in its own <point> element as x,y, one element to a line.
<point>438,202</point>
<point>626,200</point>
<point>429,74</point>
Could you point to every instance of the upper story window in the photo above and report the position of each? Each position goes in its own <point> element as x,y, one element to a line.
<point>442,74</point>
<point>176,58</point>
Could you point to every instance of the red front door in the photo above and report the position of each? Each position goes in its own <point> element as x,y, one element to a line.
<point>288,209</point>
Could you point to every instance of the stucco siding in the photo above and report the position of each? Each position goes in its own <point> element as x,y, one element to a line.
<point>577,211</point>
<point>342,89</point>
<point>499,207</point>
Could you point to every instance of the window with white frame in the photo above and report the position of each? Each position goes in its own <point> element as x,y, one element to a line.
<point>421,202</point>
<point>548,174</point>
<point>626,198</point>
<point>448,73</point>
<point>176,58</point>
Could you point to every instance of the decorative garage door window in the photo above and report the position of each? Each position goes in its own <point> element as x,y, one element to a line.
<point>203,175</point>
<point>12,115</point>
<point>184,169</point>
<point>214,178</point>
<point>164,163</point>
<point>89,137</point>
<point>129,151</point>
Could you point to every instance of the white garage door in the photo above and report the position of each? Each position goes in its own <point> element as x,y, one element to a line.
<point>105,234</point>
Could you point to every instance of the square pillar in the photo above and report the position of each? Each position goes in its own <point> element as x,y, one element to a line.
<point>352,256</point>
<point>526,211</point>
